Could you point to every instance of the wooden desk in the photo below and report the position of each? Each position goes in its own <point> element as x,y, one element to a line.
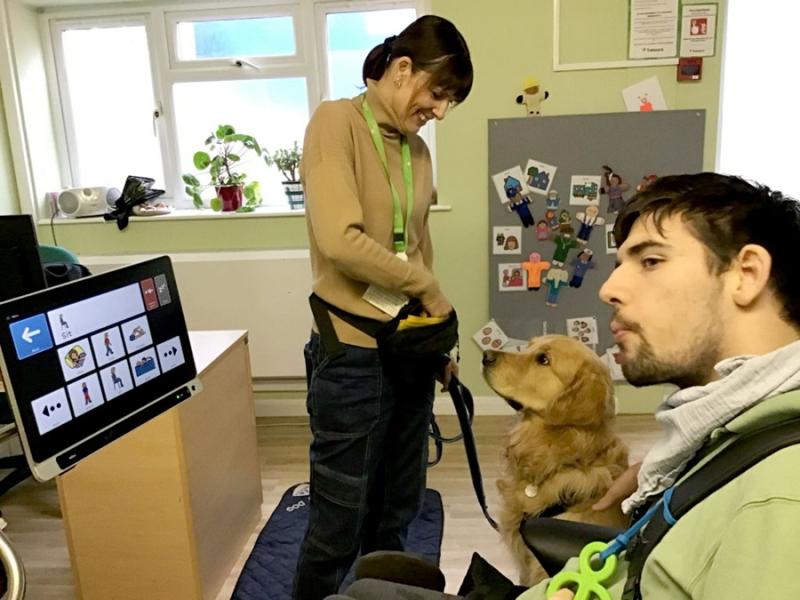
<point>164,512</point>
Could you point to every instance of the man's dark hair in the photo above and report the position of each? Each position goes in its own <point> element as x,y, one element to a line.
<point>435,46</point>
<point>726,213</point>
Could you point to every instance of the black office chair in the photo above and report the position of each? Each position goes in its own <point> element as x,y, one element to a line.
<point>59,266</point>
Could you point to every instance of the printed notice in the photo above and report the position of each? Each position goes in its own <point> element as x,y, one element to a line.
<point>698,29</point>
<point>653,29</point>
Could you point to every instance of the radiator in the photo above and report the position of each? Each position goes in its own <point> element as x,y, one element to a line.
<point>265,292</point>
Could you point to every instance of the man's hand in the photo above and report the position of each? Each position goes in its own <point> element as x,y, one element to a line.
<point>623,487</point>
<point>447,373</point>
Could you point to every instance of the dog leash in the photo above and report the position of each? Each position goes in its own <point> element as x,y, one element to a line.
<point>465,408</point>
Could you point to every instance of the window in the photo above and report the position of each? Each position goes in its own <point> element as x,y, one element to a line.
<point>141,90</point>
<point>350,37</point>
<point>271,36</point>
<point>108,99</point>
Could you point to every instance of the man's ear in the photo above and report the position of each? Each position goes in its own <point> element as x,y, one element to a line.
<point>753,266</point>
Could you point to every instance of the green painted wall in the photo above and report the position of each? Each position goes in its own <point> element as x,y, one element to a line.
<point>509,41</point>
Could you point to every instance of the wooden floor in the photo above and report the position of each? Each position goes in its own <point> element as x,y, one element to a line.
<point>35,529</point>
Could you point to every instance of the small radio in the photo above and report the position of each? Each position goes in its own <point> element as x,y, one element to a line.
<point>88,201</point>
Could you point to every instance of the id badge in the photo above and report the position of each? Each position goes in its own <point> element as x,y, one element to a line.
<point>384,300</point>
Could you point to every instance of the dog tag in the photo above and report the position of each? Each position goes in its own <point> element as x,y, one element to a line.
<point>531,490</point>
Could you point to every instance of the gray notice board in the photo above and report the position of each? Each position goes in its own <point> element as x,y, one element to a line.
<point>632,144</point>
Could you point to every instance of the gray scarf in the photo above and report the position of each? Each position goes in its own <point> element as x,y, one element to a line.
<point>688,416</point>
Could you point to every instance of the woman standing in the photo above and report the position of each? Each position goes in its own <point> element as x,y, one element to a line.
<point>368,182</point>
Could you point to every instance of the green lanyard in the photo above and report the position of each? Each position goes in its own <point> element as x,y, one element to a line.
<point>400,230</point>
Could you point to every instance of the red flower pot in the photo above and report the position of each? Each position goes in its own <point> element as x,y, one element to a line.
<point>231,196</point>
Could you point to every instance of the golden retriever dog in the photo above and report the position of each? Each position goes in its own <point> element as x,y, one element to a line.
<point>561,451</point>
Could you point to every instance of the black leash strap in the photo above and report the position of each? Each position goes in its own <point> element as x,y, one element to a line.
<point>731,462</point>
<point>465,409</point>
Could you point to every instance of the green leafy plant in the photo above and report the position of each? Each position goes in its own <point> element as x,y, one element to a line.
<point>287,160</point>
<point>222,160</point>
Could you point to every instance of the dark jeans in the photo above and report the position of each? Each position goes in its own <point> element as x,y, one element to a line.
<point>368,460</point>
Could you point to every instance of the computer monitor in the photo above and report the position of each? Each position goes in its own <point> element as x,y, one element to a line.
<point>20,267</point>
<point>90,360</point>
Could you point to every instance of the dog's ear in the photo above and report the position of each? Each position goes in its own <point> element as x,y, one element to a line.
<point>587,400</point>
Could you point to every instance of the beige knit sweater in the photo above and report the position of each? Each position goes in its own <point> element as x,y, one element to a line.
<point>349,210</point>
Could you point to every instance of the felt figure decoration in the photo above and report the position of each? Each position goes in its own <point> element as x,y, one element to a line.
<point>588,220</point>
<point>534,266</point>
<point>646,182</point>
<point>552,199</point>
<point>517,202</point>
<point>614,188</point>
<point>582,262</point>
<point>564,243</point>
<point>555,279</point>
<point>552,219</point>
<point>532,96</point>
<point>542,231</point>
<point>564,219</point>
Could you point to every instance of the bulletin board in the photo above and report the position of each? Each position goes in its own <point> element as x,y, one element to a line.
<point>565,155</point>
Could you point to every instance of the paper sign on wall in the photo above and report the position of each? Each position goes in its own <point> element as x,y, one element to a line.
<point>507,240</point>
<point>698,29</point>
<point>512,277</point>
<point>490,336</point>
<point>584,190</point>
<point>611,242</point>
<point>645,96</point>
<point>539,176</point>
<point>583,329</point>
<point>510,184</point>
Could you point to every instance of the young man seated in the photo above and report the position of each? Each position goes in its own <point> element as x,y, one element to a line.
<point>706,297</point>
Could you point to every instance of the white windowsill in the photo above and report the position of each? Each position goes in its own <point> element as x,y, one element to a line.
<point>193,214</point>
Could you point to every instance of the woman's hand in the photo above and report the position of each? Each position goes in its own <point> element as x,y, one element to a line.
<point>447,373</point>
<point>622,487</point>
<point>438,307</point>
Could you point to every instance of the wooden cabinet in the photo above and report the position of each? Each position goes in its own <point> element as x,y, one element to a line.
<point>165,511</point>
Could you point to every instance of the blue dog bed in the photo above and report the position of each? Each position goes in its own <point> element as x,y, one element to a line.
<point>269,571</point>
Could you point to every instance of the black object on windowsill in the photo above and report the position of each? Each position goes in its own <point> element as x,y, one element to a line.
<point>137,190</point>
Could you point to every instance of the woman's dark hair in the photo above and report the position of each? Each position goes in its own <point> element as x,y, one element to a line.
<point>725,213</point>
<point>435,46</point>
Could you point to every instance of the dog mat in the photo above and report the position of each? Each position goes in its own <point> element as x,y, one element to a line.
<point>269,571</point>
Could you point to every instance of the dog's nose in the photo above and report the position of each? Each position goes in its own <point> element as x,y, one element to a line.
<point>489,358</point>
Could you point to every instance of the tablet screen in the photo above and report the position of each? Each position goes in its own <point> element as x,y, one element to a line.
<point>83,358</point>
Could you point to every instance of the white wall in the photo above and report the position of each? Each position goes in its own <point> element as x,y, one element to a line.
<point>9,203</point>
<point>760,124</point>
<point>23,24</point>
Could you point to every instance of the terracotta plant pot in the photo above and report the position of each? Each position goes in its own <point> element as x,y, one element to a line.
<point>231,196</point>
<point>295,194</point>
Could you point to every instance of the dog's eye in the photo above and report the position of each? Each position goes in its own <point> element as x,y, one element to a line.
<point>542,359</point>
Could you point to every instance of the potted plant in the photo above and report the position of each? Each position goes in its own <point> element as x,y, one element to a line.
<point>226,149</point>
<point>288,162</point>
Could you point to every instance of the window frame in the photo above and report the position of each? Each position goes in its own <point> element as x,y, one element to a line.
<point>309,18</point>
<point>63,102</point>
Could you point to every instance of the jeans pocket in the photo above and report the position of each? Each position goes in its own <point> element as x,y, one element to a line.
<point>338,503</point>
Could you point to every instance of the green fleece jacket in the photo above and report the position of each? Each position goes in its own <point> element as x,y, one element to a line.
<point>741,542</point>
